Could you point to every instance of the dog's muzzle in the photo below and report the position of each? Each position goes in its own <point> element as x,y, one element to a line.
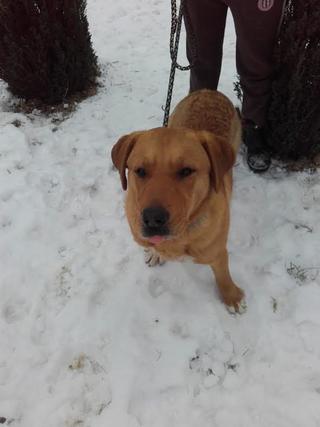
<point>155,221</point>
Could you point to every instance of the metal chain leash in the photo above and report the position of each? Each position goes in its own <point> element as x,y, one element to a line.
<point>176,23</point>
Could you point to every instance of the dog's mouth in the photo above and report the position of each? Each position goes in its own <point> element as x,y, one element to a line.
<point>156,236</point>
<point>156,240</point>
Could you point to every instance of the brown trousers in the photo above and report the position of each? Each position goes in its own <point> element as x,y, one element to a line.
<point>256,29</point>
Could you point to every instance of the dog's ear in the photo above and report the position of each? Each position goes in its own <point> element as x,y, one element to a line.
<point>120,153</point>
<point>221,155</point>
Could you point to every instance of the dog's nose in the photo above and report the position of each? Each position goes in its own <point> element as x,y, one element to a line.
<point>155,217</point>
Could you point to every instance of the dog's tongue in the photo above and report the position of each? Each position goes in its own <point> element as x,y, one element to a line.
<point>156,239</point>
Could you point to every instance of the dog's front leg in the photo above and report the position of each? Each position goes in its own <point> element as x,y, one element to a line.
<point>231,295</point>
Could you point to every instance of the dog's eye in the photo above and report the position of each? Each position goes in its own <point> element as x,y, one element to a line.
<point>184,172</point>
<point>141,172</point>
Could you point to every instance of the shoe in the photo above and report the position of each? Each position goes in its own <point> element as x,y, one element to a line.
<point>258,157</point>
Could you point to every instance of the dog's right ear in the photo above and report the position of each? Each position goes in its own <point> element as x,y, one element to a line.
<point>120,153</point>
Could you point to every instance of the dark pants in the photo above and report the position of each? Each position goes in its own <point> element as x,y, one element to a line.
<point>256,32</point>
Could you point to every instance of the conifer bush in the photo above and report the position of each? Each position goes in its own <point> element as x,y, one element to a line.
<point>45,49</point>
<point>294,113</point>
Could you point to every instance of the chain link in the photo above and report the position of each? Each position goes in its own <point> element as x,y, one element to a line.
<point>176,24</point>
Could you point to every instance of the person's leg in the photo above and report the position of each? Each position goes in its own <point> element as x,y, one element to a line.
<point>205,22</point>
<point>257,23</point>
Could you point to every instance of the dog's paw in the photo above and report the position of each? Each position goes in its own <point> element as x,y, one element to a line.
<point>235,301</point>
<point>152,258</point>
<point>238,308</point>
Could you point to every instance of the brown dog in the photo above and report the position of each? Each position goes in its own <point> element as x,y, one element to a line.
<point>179,185</point>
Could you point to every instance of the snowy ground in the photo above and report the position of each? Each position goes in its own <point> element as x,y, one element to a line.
<point>91,337</point>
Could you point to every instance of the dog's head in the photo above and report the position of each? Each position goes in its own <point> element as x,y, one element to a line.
<point>171,173</point>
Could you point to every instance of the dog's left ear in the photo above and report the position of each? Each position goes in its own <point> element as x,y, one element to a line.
<point>221,155</point>
<point>120,153</point>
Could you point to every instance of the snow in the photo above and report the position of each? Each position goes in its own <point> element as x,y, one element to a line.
<point>89,335</point>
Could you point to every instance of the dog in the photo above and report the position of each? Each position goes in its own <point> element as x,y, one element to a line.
<point>179,186</point>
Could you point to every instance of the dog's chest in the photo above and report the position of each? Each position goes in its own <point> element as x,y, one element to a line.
<point>173,252</point>
<point>180,254</point>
